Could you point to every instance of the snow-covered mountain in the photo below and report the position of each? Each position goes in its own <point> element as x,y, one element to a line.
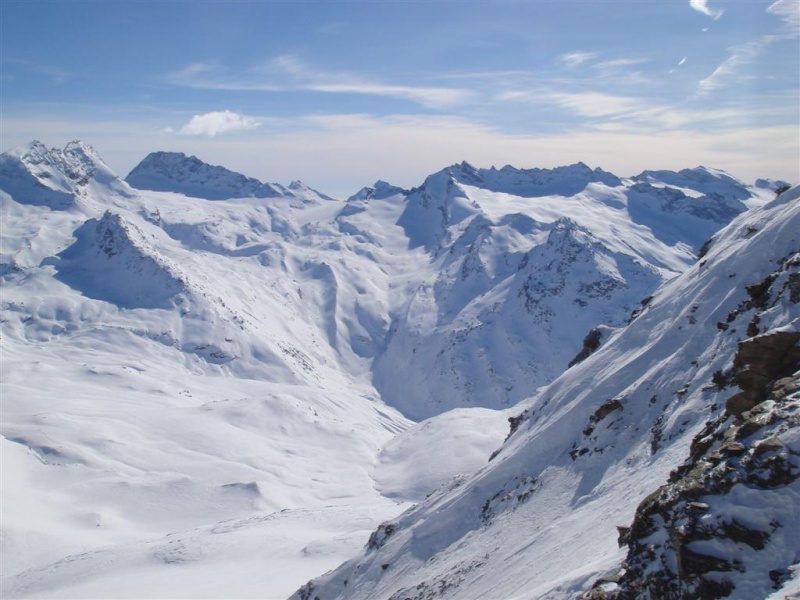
<point>525,263</point>
<point>188,175</point>
<point>57,178</point>
<point>665,465</point>
<point>217,398</point>
<point>169,387</point>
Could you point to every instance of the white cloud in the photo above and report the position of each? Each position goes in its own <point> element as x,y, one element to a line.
<point>288,73</point>
<point>427,96</point>
<point>681,62</point>
<point>291,65</point>
<point>748,52</point>
<point>206,76</point>
<point>660,118</point>
<point>593,104</point>
<point>789,11</point>
<point>213,124</point>
<point>740,56</point>
<point>191,71</point>
<point>702,7</point>
<point>619,63</point>
<point>305,77</point>
<point>574,59</point>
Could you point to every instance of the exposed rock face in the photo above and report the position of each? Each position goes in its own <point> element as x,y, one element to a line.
<point>760,361</point>
<point>730,509</point>
<point>593,340</point>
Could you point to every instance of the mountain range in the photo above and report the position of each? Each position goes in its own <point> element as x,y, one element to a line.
<point>219,387</point>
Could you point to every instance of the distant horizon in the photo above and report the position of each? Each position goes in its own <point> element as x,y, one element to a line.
<point>338,93</point>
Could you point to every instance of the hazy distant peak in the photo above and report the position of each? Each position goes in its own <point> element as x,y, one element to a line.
<point>55,178</point>
<point>705,180</point>
<point>565,180</point>
<point>378,190</point>
<point>188,175</point>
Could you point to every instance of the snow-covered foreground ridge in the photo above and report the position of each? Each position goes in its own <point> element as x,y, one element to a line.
<point>207,383</point>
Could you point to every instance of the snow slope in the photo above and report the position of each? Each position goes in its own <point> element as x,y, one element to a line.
<point>169,390</point>
<point>598,448</point>
<point>525,263</point>
<point>203,399</point>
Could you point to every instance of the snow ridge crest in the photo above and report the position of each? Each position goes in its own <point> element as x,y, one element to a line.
<point>112,260</point>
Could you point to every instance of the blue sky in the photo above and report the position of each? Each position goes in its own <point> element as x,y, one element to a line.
<point>339,94</point>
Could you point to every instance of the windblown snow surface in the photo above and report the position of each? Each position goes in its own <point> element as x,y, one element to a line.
<point>216,387</point>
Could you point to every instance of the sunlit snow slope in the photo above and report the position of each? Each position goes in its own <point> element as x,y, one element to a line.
<point>673,448</point>
<point>176,419</point>
<point>207,382</point>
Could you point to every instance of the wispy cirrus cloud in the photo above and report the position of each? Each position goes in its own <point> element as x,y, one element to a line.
<point>593,104</point>
<point>741,55</point>
<point>289,73</point>
<point>575,59</point>
<point>586,108</point>
<point>701,6</point>
<point>748,52</point>
<point>345,83</point>
<point>212,76</point>
<point>431,97</point>
<point>644,113</point>
<point>619,63</point>
<point>589,64</point>
<point>212,124</point>
<point>789,11</point>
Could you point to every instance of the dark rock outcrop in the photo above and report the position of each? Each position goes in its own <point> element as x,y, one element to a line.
<point>726,513</point>
<point>593,340</point>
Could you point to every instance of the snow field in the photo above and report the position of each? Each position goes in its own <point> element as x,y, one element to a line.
<point>215,398</point>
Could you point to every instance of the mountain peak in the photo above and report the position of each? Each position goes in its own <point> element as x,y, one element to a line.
<point>464,172</point>
<point>82,148</point>
<point>75,154</point>
<point>384,188</point>
<point>565,180</point>
<point>703,180</point>
<point>176,172</point>
<point>113,261</point>
<point>34,148</point>
<point>188,175</point>
<point>38,175</point>
<point>378,190</point>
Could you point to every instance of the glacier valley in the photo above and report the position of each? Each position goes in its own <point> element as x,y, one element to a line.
<point>503,383</point>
